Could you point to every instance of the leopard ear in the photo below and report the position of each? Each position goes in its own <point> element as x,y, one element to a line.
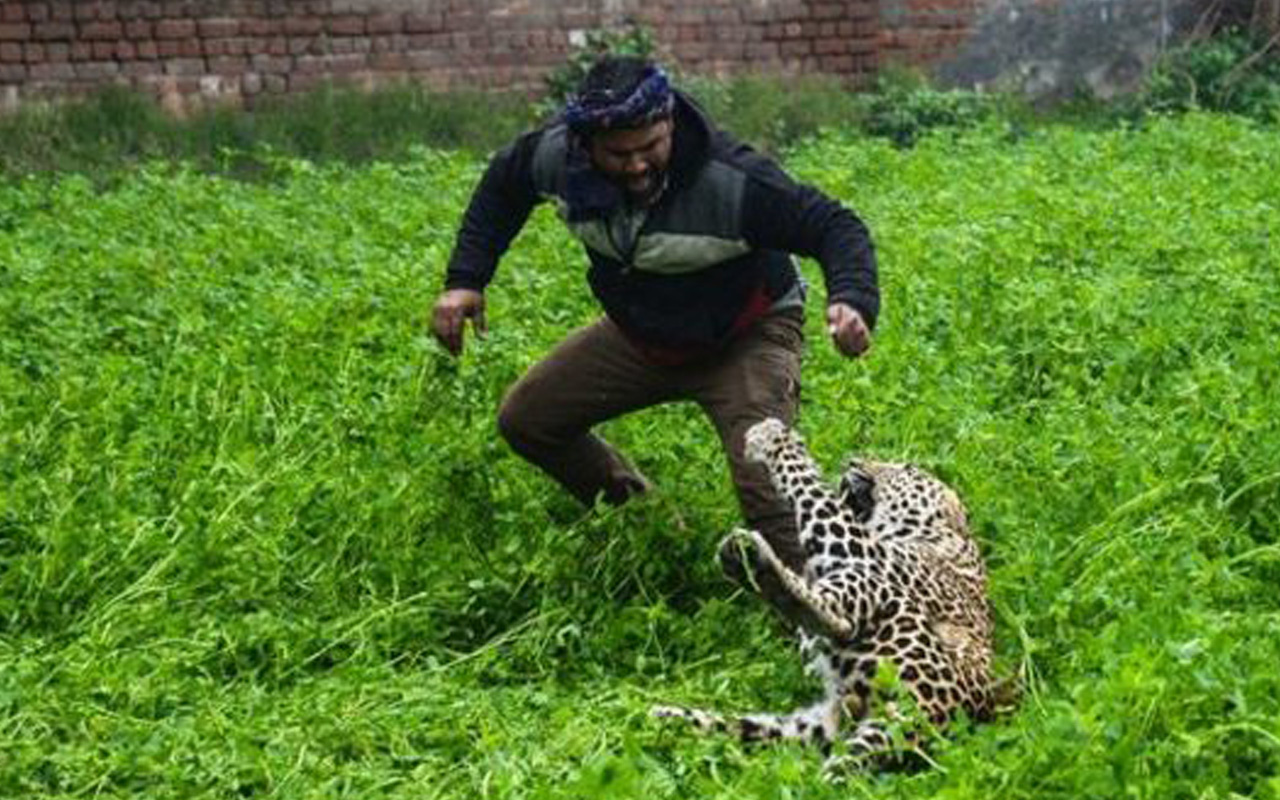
<point>954,511</point>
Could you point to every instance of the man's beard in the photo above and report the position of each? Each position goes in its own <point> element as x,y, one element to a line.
<point>655,184</point>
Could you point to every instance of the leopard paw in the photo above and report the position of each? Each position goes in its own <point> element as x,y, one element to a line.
<point>763,437</point>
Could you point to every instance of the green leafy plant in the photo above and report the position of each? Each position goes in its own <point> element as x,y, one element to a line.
<point>904,107</point>
<point>259,534</point>
<point>1232,71</point>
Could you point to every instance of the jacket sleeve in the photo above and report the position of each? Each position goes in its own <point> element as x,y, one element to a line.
<point>499,208</point>
<point>781,214</point>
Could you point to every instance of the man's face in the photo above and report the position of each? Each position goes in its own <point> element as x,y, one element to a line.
<point>636,159</point>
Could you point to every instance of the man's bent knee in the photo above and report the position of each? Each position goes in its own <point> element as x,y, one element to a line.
<point>515,424</point>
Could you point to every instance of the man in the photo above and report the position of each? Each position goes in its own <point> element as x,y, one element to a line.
<point>689,234</point>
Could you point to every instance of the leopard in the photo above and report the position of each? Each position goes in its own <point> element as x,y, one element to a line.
<point>893,581</point>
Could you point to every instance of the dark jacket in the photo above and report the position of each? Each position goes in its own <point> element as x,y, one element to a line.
<point>686,272</point>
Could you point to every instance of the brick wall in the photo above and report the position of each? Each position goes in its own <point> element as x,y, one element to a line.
<point>194,51</point>
<point>922,33</point>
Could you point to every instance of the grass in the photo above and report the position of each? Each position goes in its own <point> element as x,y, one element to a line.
<point>103,133</point>
<point>113,132</point>
<point>258,536</point>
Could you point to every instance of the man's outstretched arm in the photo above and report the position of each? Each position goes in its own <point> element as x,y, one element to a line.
<point>498,210</point>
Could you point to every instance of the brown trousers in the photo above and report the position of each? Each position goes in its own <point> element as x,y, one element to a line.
<point>596,374</point>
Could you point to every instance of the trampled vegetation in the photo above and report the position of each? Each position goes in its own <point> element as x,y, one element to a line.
<point>258,536</point>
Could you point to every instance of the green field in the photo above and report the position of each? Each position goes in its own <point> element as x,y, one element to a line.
<point>259,537</point>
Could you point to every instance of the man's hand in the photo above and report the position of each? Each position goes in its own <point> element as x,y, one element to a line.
<point>452,310</point>
<point>849,332</point>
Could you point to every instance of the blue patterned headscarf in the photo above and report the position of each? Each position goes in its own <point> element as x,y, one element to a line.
<point>604,110</point>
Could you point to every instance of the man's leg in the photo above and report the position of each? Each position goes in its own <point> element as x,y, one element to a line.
<point>593,375</point>
<point>758,377</point>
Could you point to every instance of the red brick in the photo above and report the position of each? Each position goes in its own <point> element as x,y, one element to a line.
<point>13,73</point>
<point>178,8</point>
<point>147,50</point>
<point>571,19</point>
<point>303,26</point>
<point>275,65</point>
<point>138,69</point>
<point>787,10</point>
<point>137,29</point>
<point>48,31</point>
<point>795,47</point>
<point>51,72</point>
<point>345,26</point>
<point>261,27</point>
<point>12,11</point>
<point>228,65</point>
<point>393,62</point>
<point>725,50</point>
<point>139,9</point>
<point>724,16</point>
<point>695,50</point>
<point>394,44</point>
<point>381,24</point>
<point>828,10</point>
<point>423,22</point>
<point>348,64</point>
<point>306,81</point>
<point>839,64</point>
<point>184,66</point>
<point>10,53</point>
<point>218,27</point>
<point>94,31</point>
<point>830,47</point>
<point>342,46</point>
<point>97,70</point>
<point>175,29</point>
<point>238,46</point>
<point>104,51</point>
<point>39,12</point>
<point>14,32</point>
<point>867,9</point>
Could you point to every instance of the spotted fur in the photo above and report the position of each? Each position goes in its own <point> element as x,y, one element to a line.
<point>892,574</point>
